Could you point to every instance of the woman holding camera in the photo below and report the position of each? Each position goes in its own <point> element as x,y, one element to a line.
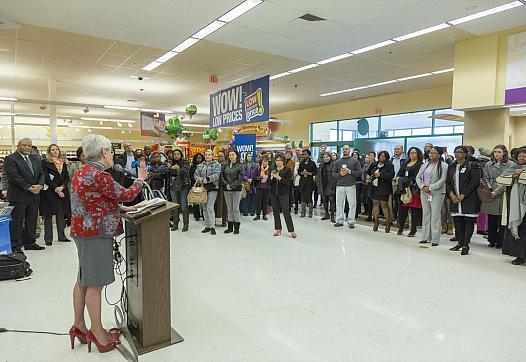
<point>279,196</point>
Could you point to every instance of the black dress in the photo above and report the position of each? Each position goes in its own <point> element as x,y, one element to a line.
<point>384,189</point>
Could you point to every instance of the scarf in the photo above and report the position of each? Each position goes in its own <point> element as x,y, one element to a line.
<point>263,170</point>
<point>59,164</point>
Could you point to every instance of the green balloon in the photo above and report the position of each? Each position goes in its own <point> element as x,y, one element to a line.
<point>174,128</point>
<point>213,133</point>
<point>191,109</point>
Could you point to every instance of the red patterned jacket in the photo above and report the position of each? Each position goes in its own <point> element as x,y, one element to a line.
<point>95,198</point>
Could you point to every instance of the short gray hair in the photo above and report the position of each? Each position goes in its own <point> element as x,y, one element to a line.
<point>92,146</point>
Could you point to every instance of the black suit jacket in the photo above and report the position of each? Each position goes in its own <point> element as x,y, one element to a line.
<point>49,199</point>
<point>470,175</point>
<point>21,178</point>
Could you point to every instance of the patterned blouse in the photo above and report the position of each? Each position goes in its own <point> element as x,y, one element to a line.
<point>95,198</point>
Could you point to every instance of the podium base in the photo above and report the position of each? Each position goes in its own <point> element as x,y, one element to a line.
<point>138,348</point>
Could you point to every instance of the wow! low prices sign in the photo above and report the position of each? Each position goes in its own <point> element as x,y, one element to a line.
<point>241,104</point>
<point>245,144</point>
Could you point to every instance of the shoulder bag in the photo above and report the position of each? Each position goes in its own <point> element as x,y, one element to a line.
<point>197,194</point>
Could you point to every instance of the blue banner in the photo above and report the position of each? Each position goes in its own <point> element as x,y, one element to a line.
<point>241,104</point>
<point>245,144</point>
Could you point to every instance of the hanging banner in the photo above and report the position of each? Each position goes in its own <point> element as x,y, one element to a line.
<point>245,144</point>
<point>244,103</point>
<point>152,124</point>
<point>195,149</point>
<point>516,69</point>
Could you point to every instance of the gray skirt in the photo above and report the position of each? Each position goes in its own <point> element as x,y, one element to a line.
<point>95,261</point>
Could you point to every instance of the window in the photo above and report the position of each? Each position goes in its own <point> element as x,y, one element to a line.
<point>377,145</point>
<point>418,122</point>
<point>446,126</point>
<point>444,141</point>
<point>324,132</point>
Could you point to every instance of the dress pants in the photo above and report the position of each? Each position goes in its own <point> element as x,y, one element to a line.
<point>23,226</point>
<point>48,226</point>
<point>329,203</point>
<point>297,197</point>
<point>345,193</point>
<point>291,193</point>
<point>233,199</point>
<point>416,217</point>
<point>446,212</point>
<point>221,210</point>
<point>359,191</point>
<point>208,209</point>
<point>280,204</point>
<point>431,217</point>
<point>464,227</point>
<point>495,230</point>
<point>262,201</point>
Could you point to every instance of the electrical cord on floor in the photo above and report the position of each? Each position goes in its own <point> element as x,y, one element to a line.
<point>2,330</point>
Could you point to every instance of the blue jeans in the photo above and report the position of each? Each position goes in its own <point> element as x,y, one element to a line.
<point>248,204</point>
<point>180,197</point>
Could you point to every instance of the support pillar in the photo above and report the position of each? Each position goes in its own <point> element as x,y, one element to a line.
<point>487,128</point>
<point>52,89</point>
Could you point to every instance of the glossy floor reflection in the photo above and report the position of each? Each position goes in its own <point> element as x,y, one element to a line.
<point>330,295</point>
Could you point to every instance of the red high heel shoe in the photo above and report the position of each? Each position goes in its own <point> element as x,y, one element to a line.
<point>75,332</point>
<point>103,348</point>
<point>277,233</point>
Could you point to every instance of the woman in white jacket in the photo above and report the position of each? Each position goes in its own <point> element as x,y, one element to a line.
<point>431,180</point>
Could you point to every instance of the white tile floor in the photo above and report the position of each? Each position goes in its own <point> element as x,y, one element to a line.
<point>330,295</point>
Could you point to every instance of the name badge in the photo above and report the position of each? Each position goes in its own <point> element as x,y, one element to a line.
<point>406,173</point>
<point>462,170</point>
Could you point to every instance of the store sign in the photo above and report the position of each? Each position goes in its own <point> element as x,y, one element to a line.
<point>152,124</point>
<point>116,146</point>
<point>516,69</point>
<point>195,149</point>
<point>245,144</point>
<point>244,103</point>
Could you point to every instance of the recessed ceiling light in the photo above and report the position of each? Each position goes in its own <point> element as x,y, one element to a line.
<point>422,32</point>
<point>484,13</point>
<point>333,59</point>
<point>240,10</point>
<point>151,66</point>
<point>185,45</point>
<point>280,75</point>
<point>372,47</point>
<point>209,29</point>
<point>308,66</point>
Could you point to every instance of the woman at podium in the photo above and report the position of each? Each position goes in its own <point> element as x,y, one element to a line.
<point>95,198</point>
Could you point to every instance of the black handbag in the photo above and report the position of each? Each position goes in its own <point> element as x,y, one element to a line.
<point>14,266</point>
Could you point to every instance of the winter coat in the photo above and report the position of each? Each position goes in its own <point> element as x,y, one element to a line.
<point>491,171</point>
<point>325,171</point>
<point>470,175</point>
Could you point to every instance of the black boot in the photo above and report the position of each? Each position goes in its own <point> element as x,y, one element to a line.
<point>303,209</point>
<point>465,251</point>
<point>518,261</point>
<point>186,220</point>
<point>236,227</point>
<point>333,217</point>
<point>310,210</point>
<point>326,216</point>
<point>456,248</point>
<point>176,220</point>
<point>230,227</point>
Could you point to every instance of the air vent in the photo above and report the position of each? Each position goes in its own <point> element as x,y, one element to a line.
<point>310,17</point>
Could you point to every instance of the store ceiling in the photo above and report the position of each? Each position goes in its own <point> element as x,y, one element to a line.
<point>92,48</point>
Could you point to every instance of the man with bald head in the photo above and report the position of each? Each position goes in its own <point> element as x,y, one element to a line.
<point>26,180</point>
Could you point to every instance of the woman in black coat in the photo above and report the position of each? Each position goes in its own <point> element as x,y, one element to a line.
<point>463,179</point>
<point>56,195</point>
<point>379,176</point>
<point>196,160</point>
<point>407,178</point>
<point>280,177</point>
<point>327,187</point>
<point>307,170</point>
<point>180,185</point>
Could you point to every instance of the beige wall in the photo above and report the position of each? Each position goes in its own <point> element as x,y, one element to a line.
<point>487,128</point>
<point>518,131</point>
<point>388,104</point>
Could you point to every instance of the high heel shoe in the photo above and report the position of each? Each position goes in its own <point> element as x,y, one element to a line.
<point>277,233</point>
<point>75,332</point>
<point>376,224</point>
<point>103,348</point>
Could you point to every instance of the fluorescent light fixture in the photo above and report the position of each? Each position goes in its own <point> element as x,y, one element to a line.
<point>185,45</point>
<point>196,125</point>
<point>344,91</point>
<point>280,75</point>
<point>333,59</point>
<point>484,13</point>
<point>372,47</point>
<point>151,66</point>
<point>7,114</point>
<point>105,120</point>
<point>209,29</point>
<point>414,77</point>
<point>240,10</point>
<point>422,32</point>
<point>166,57</point>
<point>156,110</point>
<point>300,69</point>
<point>382,83</point>
<point>443,71</point>
<point>8,99</point>
<point>122,107</point>
<point>90,127</point>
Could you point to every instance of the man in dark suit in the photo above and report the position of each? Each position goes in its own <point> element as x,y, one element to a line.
<point>26,180</point>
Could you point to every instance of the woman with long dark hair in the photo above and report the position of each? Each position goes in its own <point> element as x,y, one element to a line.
<point>262,183</point>
<point>279,196</point>
<point>327,187</point>
<point>307,170</point>
<point>196,161</point>
<point>492,170</point>
<point>250,170</point>
<point>407,183</point>
<point>367,201</point>
<point>232,182</point>
<point>463,179</point>
<point>179,186</point>
<point>431,181</point>
<point>379,176</point>
<point>54,199</point>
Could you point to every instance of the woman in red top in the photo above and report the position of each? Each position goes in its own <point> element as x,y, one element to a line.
<point>95,220</point>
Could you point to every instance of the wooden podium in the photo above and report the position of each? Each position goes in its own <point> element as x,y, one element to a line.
<point>148,287</point>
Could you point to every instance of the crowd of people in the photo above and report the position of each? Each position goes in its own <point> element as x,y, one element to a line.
<point>439,192</point>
